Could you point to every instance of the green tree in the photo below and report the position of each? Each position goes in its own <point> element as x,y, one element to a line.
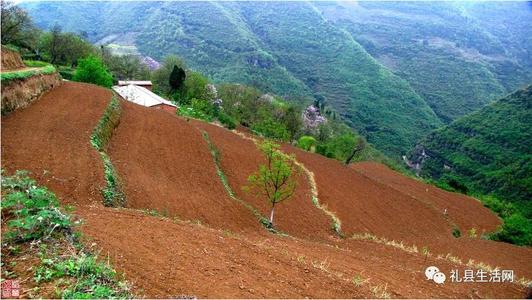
<point>292,121</point>
<point>92,70</point>
<point>516,230</point>
<point>275,180</point>
<point>16,25</point>
<point>270,128</point>
<point>195,86</point>
<point>177,78</point>
<point>125,67</point>
<point>64,48</point>
<point>160,77</point>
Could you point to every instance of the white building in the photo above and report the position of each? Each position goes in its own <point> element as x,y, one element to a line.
<point>144,97</point>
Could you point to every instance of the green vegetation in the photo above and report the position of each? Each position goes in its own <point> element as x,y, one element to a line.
<point>112,193</point>
<point>307,143</point>
<point>23,74</point>
<point>488,153</point>
<point>276,180</point>
<point>286,49</point>
<point>35,210</point>
<point>92,70</point>
<point>266,115</point>
<point>35,63</point>
<point>34,217</point>
<point>455,55</point>
<point>217,161</point>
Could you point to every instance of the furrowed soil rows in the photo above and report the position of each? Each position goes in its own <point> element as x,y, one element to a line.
<point>464,211</point>
<point>163,258</point>
<point>165,165</point>
<point>51,138</point>
<point>364,205</point>
<point>240,158</point>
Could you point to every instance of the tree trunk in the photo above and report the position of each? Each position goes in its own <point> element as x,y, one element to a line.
<point>271,215</point>
<point>359,147</point>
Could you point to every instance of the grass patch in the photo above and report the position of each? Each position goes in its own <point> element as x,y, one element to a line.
<point>113,194</point>
<point>36,63</point>
<point>23,74</point>
<point>34,217</point>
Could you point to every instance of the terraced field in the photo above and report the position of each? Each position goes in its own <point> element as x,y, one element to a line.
<point>201,241</point>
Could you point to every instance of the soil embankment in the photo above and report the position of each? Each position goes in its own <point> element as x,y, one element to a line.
<point>51,138</point>
<point>11,60</point>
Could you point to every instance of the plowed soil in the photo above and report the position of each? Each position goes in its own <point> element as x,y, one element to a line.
<point>463,211</point>
<point>51,138</point>
<point>364,205</point>
<point>166,165</point>
<point>240,158</point>
<point>171,259</point>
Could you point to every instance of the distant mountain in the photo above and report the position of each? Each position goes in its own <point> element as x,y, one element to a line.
<point>458,56</point>
<point>488,151</point>
<point>393,71</point>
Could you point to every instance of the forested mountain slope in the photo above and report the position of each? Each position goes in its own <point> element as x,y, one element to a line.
<point>487,151</point>
<point>394,71</point>
<point>286,48</point>
<point>457,56</point>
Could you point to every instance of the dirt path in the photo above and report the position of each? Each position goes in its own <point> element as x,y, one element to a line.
<point>20,70</point>
<point>51,137</point>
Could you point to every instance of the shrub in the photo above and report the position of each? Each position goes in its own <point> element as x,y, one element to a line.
<point>456,232</point>
<point>516,230</point>
<point>338,147</point>
<point>306,142</point>
<point>227,120</point>
<point>271,129</point>
<point>112,193</point>
<point>35,63</point>
<point>195,87</point>
<point>92,70</point>
<point>66,72</point>
<point>93,279</point>
<point>198,109</point>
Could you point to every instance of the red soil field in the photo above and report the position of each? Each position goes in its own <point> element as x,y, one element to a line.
<point>165,164</point>
<point>240,158</point>
<point>464,211</point>
<point>51,139</point>
<point>163,258</point>
<point>364,205</point>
